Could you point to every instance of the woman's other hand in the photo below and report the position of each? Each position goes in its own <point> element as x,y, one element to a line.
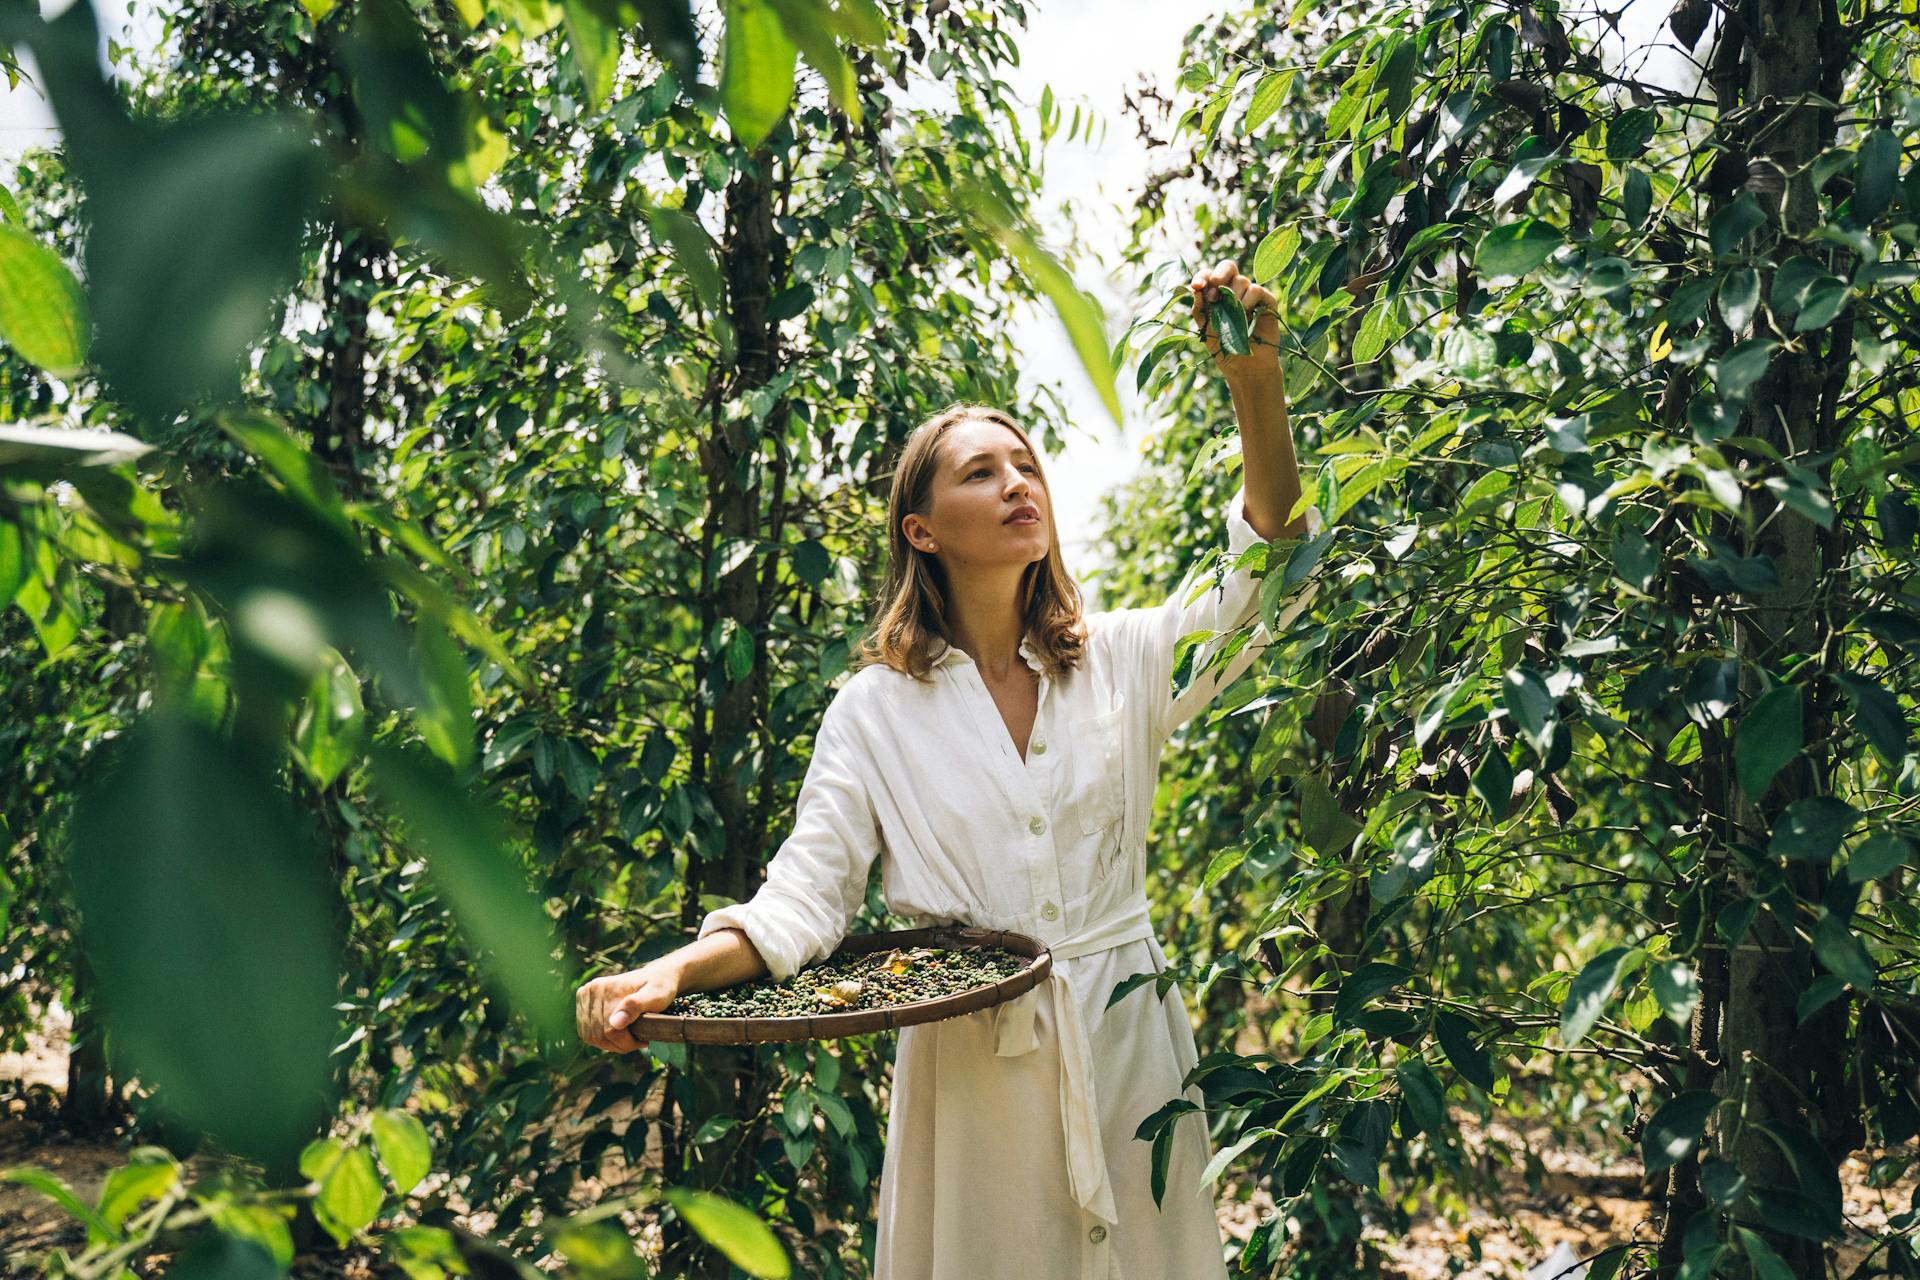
<point>603,1007</point>
<point>1263,339</point>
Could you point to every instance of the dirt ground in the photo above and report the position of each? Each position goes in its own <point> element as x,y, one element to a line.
<point>1588,1205</point>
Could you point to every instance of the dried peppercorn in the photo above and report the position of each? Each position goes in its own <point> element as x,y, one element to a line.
<point>843,984</point>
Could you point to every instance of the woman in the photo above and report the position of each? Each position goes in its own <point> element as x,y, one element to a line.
<point>997,751</point>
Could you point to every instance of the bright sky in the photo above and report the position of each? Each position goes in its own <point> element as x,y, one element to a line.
<point>1090,52</point>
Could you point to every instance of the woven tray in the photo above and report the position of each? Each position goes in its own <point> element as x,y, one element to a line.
<point>856,1022</point>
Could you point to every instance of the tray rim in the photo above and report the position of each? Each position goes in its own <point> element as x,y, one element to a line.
<point>794,1028</point>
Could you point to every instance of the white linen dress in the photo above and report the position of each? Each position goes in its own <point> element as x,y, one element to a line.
<point>1010,1150</point>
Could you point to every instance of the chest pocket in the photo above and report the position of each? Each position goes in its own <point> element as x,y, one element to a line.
<point>1098,777</point>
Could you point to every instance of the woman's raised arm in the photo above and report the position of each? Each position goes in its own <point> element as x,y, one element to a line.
<point>1258,387</point>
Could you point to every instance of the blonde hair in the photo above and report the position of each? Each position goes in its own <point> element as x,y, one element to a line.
<point>913,603</point>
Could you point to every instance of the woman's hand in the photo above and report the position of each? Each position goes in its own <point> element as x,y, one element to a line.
<point>1263,339</point>
<point>603,1007</point>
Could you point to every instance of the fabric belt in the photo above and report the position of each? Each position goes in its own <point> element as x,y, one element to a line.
<point>1015,1034</point>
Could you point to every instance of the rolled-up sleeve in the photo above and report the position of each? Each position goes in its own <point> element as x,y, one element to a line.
<point>817,879</point>
<point>1220,609</point>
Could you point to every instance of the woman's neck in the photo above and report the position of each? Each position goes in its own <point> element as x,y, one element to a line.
<point>984,616</point>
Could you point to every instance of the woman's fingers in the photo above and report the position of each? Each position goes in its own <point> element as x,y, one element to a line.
<point>591,1005</point>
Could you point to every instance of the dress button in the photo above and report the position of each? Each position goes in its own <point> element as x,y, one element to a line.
<point>1098,1234</point>
<point>1049,912</point>
<point>1037,825</point>
<point>1039,746</point>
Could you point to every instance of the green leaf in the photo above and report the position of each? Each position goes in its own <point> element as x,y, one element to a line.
<point>1675,1129</point>
<point>1636,199</point>
<point>1739,297</point>
<point>1767,1264</point>
<point>1530,158</point>
<point>1607,1263</point>
<point>1433,712</point>
<point>1412,865</point>
<point>1493,781</point>
<point>1592,988</point>
<point>404,1147</point>
<point>1792,281</point>
<point>1677,988</point>
<point>1767,737</point>
<point>181,285</point>
<point>1468,352</point>
<point>1226,1155</point>
<point>330,730</point>
<point>756,71</point>
<point>1878,854</point>
<point>1228,321</point>
<point>737,1232</point>
<point>152,1174</point>
<point>1820,1192</point>
<point>1701,1263</point>
<point>1085,321</point>
<point>58,1192</point>
<point>1826,298</point>
<point>1275,252</point>
<point>1268,95</point>
<point>597,1249</point>
<point>1396,77</point>
<point>350,1195</point>
<point>193,874</point>
<point>13,562</point>
<point>444,713</point>
<point>1527,699</point>
<point>669,29</point>
<point>1365,984</point>
<point>215,1255</point>
<point>1878,715</point>
<point>1810,829</point>
<point>1875,172</point>
<point>261,1224</point>
<point>1727,228</point>
<point>487,889</point>
<point>809,25</point>
<point>1820,993</point>
<point>836,1110</point>
<point>1516,248</point>
<point>1842,952</point>
<point>1376,331</point>
<point>43,313</point>
<point>1629,132</point>
<point>1422,1096</point>
<point>693,250</point>
<point>1474,1063</point>
<point>1722,1181</point>
<point>1742,365</point>
<point>859,21</point>
<point>596,49</point>
<point>1324,826</point>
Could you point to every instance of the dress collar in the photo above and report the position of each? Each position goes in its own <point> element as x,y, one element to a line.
<point>944,654</point>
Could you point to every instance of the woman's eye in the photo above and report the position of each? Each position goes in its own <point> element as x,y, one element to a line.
<point>980,472</point>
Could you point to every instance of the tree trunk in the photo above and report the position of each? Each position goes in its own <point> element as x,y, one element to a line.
<point>1746,1038</point>
<point>725,1080</point>
<point>85,1108</point>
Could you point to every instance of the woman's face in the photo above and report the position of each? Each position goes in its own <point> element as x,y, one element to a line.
<point>988,505</point>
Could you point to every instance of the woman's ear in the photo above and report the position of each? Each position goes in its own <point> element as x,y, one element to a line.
<point>918,535</point>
